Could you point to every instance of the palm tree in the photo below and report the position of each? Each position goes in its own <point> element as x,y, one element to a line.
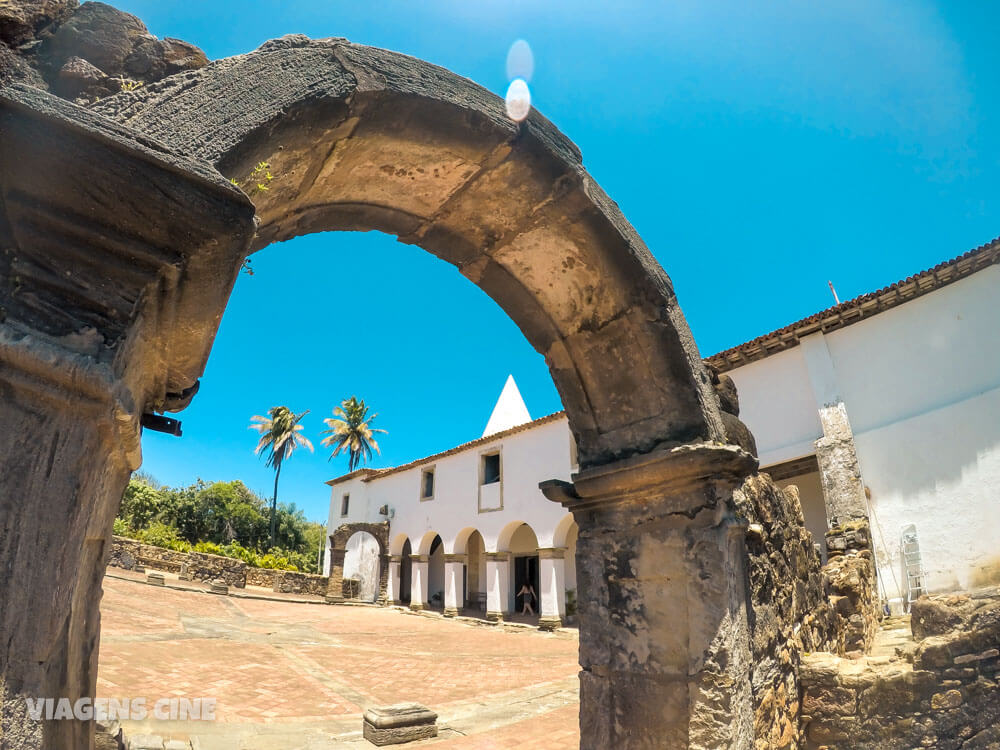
<point>351,429</point>
<point>280,435</point>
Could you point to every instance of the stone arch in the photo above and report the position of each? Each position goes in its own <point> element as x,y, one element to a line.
<point>359,139</point>
<point>561,533</point>
<point>458,546</point>
<point>363,565</point>
<point>423,547</point>
<point>378,530</point>
<point>398,542</point>
<point>363,138</point>
<point>507,533</point>
<point>338,550</point>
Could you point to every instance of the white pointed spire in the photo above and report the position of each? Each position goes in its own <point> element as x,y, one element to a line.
<point>510,410</point>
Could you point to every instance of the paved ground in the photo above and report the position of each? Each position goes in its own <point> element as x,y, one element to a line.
<point>291,676</point>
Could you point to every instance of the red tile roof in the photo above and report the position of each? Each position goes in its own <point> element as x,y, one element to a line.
<point>859,308</point>
<point>831,319</point>
<point>379,473</point>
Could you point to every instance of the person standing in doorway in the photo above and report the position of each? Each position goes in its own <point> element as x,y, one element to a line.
<point>527,594</point>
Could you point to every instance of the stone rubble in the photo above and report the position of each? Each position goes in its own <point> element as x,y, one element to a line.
<point>938,690</point>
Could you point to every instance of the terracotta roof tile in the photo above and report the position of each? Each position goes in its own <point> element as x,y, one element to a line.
<point>379,473</point>
<point>859,308</point>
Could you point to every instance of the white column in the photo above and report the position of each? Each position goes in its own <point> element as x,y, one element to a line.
<point>392,591</point>
<point>552,587</point>
<point>453,584</point>
<point>418,583</point>
<point>497,585</point>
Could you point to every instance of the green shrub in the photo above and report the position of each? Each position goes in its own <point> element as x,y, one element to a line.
<point>121,527</point>
<point>210,548</point>
<point>274,562</point>
<point>160,534</point>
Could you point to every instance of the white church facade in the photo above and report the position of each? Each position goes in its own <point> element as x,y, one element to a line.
<point>468,527</point>
<point>912,372</point>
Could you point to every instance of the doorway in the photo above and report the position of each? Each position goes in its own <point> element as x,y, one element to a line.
<point>405,573</point>
<point>526,571</point>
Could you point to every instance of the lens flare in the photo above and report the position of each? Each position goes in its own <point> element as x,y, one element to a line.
<point>520,61</point>
<point>518,99</point>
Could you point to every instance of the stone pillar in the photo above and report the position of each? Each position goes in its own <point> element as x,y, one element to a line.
<point>497,585</point>
<point>839,469</point>
<point>335,588</point>
<point>418,582</point>
<point>453,584</point>
<point>116,260</point>
<point>383,578</point>
<point>392,587</point>
<point>551,587</point>
<point>663,600</point>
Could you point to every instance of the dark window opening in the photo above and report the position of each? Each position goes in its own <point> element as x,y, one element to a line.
<point>427,485</point>
<point>491,468</point>
<point>345,503</point>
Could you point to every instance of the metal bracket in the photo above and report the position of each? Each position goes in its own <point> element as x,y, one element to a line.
<point>161,424</point>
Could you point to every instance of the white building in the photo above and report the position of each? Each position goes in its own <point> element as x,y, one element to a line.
<point>916,368</point>
<point>913,370</point>
<point>469,526</point>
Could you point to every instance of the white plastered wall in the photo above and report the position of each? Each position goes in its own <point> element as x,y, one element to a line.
<point>921,386</point>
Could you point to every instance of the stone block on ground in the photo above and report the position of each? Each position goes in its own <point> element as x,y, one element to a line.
<point>218,587</point>
<point>399,723</point>
<point>145,742</point>
<point>155,578</point>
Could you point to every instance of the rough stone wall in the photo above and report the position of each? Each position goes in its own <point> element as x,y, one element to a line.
<point>850,570</point>
<point>127,553</point>
<point>263,577</point>
<point>293,582</point>
<point>790,613</point>
<point>85,52</point>
<point>940,692</point>
<point>204,567</point>
<point>130,554</point>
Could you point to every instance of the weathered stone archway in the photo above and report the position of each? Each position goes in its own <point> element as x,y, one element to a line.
<point>338,550</point>
<point>360,138</point>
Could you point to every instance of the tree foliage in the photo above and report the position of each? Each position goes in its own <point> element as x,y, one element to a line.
<point>280,435</point>
<point>222,518</point>
<point>351,430</point>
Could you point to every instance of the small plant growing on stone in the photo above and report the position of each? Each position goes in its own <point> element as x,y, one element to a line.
<point>128,84</point>
<point>261,177</point>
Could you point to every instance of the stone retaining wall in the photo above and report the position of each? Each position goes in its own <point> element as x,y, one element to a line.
<point>129,553</point>
<point>938,691</point>
<point>263,577</point>
<point>293,582</point>
<point>205,567</point>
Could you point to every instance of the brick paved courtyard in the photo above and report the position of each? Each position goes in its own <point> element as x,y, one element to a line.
<point>291,675</point>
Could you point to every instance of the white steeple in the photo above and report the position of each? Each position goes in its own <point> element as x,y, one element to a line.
<point>510,410</point>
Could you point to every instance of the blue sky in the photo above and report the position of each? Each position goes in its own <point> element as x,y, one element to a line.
<point>760,149</point>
